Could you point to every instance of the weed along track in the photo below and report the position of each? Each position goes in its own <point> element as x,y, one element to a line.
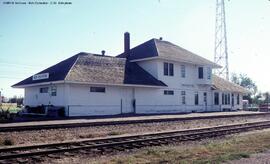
<point>121,143</point>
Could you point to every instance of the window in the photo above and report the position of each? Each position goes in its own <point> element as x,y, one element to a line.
<point>183,94</point>
<point>205,97</point>
<point>43,90</point>
<point>209,72</point>
<point>53,91</point>
<point>171,72</point>
<point>223,97</point>
<point>226,99</point>
<point>168,92</point>
<point>168,69</point>
<point>229,98</point>
<point>97,89</point>
<point>183,71</point>
<point>238,99</point>
<point>216,98</point>
<point>232,99</point>
<point>200,72</point>
<point>196,98</point>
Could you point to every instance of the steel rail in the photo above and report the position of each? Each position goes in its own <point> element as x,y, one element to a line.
<point>128,141</point>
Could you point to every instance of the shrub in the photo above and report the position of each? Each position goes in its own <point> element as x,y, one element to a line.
<point>8,142</point>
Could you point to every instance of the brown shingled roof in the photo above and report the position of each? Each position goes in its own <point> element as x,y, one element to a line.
<point>224,85</point>
<point>166,50</point>
<point>96,69</point>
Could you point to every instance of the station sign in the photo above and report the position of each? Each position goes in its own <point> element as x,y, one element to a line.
<point>41,76</point>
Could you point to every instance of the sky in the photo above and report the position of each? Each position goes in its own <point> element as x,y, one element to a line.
<point>35,36</point>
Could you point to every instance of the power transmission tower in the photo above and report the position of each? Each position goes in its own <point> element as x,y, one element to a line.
<point>221,49</point>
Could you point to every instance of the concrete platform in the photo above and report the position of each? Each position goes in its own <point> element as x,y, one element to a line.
<point>147,118</point>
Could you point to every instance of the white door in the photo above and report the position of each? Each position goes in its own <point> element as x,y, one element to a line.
<point>127,100</point>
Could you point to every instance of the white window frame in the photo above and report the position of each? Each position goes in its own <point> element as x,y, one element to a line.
<point>53,91</point>
<point>94,89</point>
<point>168,92</point>
<point>183,97</point>
<point>183,71</point>
<point>209,73</point>
<point>41,90</point>
<point>196,95</point>
<point>169,70</point>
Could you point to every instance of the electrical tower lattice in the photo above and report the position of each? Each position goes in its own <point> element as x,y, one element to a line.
<point>221,49</point>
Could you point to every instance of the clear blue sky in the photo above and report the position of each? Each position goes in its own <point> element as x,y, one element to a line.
<point>34,37</point>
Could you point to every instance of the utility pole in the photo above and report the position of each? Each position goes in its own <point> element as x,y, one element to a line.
<point>221,49</point>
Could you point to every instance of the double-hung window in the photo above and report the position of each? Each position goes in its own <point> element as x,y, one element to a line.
<point>168,69</point>
<point>216,98</point>
<point>209,72</point>
<point>183,71</point>
<point>200,72</point>
<point>168,92</point>
<point>183,94</point>
<point>229,98</point>
<point>223,98</point>
<point>44,90</point>
<point>53,91</point>
<point>196,98</point>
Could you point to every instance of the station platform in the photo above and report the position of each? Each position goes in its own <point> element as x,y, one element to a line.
<point>129,119</point>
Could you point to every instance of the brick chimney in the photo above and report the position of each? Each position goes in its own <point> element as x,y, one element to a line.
<point>126,43</point>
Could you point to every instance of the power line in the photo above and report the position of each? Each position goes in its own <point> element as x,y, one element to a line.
<point>22,65</point>
<point>10,77</point>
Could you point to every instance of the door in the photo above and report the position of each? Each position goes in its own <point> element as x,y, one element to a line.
<point>205,100</point>
<point>127,101</point>
<point>232,100</point>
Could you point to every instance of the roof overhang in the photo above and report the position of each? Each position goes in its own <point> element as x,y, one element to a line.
<point>87,83</point>
<point>38,84</point>
<point>213,65</point>
<point>213,87</point>
<point>124,85</point>
<point>145,59</point>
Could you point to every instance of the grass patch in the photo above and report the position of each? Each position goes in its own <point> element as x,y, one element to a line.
<point>114,133</point>
<point>11,107</point>
<point>212,151</point>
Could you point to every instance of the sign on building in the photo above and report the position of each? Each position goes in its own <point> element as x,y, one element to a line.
<point>41,76</point>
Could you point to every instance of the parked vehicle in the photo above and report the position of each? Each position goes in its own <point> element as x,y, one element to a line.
<point>264,107</point>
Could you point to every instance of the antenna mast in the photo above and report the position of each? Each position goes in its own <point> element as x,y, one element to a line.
<point>221,49</point>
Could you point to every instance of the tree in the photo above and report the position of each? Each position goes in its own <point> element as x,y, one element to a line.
<point>246,82</point>
<point>15,99</point>
<point>266,97</point>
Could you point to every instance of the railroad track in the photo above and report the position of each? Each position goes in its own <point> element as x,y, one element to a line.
<point>117,122</point>
<point>121,143</point>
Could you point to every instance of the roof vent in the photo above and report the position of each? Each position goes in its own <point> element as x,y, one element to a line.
<point>103,52</point>
<point>160,38</point>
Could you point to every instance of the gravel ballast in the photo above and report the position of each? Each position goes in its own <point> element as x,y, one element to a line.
<point>56,135</point>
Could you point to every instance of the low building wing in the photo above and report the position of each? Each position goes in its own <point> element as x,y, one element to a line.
<point>224,85</point>
<point>56,72</point>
